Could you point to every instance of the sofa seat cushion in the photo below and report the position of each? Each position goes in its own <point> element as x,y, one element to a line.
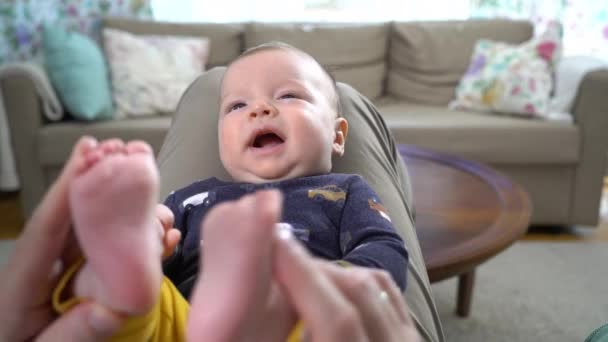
<point>55,141</point>
<point>482,137</point>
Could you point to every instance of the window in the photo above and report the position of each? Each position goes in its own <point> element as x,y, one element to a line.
<point>585,22</point>
<point>309,10</point>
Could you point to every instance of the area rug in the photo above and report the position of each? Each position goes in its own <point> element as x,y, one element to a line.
<point>533,291</point>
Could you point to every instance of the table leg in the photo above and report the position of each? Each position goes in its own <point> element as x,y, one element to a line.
<point>465,293</point>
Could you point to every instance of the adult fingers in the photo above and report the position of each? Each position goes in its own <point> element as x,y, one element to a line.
<point>315,298</point>
<point>44,236</point>
<point>396,297</point>
<point>371,292</point>
<point>395,316</point>
<point>86,322</point>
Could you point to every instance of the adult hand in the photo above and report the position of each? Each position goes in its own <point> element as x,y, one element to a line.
<point>257,284</point>
<point>32,269</point>
<point>362,304</point>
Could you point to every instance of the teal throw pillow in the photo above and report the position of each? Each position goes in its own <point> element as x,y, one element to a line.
<point>78,71</point>
<point>599,335</point>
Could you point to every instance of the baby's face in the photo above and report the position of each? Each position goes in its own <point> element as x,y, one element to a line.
<point>277,118</point>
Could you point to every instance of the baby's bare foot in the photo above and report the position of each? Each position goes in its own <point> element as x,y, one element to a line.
<point>113,204</point>
<point>235,283</point>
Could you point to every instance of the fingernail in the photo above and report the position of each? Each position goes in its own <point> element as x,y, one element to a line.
<point>284,231</point>
<point>103,321</point>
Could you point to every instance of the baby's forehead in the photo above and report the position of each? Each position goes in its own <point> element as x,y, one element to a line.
<point>281,64</point>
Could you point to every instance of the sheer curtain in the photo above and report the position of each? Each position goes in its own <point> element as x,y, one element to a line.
<point>309,10</point>
<point>585,22</point>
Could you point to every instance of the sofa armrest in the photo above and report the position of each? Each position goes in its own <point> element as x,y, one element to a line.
<point>590,112</point>
<point>29,103</point>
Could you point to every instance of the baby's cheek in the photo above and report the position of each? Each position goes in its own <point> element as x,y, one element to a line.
<point>224,147</point>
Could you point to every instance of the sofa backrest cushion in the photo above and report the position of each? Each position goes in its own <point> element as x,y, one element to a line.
<point>225,39</point>
<point>353,53</point>
<point>427,59</point>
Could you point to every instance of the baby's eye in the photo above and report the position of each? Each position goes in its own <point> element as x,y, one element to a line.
<point>236,106</point>
<point>288,96</point>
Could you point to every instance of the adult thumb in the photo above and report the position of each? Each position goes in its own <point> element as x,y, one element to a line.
<point>85,322</point>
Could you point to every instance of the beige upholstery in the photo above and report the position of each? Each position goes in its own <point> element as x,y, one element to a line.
<point>190,153</point>
<point>549,186</point>
<point>356,54</point>
<point>55,140</point>
<point>483,137</point>
<point>225,39</point>
<point>408,69</point>
<point>591,115</point>
<point>427,59</point>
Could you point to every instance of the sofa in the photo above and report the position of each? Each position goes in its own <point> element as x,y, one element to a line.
<point>408,69</point>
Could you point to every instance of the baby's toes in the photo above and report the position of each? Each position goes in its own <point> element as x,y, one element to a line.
<point>82,156</point>
<point>112,146</point>
<point>91,158</point>
<point>138,146</point>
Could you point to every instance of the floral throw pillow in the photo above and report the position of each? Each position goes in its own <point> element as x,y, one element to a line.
<point>150,73</point>
<point>516,80</point>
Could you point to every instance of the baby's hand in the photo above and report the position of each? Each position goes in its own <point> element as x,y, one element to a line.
<point>170,235</point>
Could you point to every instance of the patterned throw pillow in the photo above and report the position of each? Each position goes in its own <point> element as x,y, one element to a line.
<point>150,73</point>
<point>516,80</point>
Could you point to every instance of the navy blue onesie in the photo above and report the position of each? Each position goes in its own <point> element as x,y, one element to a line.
<point>336,216</point>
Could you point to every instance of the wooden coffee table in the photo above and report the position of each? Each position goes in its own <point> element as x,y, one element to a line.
<point>465,213</point>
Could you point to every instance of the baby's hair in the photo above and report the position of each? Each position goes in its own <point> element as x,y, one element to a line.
<point>276,45</point>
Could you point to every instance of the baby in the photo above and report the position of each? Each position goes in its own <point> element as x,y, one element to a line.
<point>279,127</point>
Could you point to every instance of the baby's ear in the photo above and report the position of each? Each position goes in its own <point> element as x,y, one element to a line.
<point>341,131</point>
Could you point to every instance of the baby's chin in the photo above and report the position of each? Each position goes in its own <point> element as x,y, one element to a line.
<point>256,178</point>
<point>259,179</point>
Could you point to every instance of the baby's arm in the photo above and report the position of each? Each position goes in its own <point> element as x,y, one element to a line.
<point>367,235</point>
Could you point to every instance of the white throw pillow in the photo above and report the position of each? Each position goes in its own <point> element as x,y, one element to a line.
<point>511,79</point>
<point>150,73</point>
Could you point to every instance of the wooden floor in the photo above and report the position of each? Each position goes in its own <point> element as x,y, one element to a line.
<point>11,223</point>
<point>11,220</point>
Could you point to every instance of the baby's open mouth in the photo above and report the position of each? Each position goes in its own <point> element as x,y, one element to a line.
<point>267,140</point>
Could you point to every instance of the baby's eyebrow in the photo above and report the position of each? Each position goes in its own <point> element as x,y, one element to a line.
<point>294,81</point>
<point>223,96</point>
<point>227,97</point>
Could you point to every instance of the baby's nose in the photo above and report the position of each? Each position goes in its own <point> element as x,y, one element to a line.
<point>262,109</point>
